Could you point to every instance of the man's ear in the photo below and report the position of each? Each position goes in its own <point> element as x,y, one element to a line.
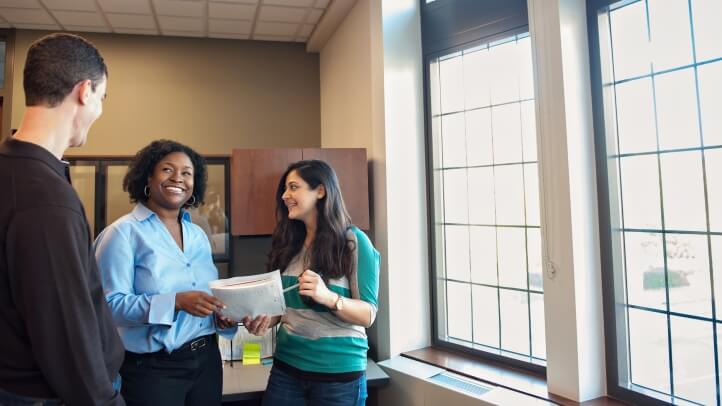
<point>84,89</point>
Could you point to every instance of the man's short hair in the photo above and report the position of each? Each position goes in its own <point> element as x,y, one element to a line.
<point>55,64</point>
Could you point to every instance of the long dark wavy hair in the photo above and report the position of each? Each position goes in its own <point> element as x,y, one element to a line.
<point>331,251</point>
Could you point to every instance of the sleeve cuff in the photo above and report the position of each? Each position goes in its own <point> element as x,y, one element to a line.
<point>227,333</point>
<point>162,309</point>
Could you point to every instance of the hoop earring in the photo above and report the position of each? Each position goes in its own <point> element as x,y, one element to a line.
<point>194,201</point>
<point>146,191</point>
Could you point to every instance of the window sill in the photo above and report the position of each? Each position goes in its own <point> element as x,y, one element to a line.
<point>498,374</point>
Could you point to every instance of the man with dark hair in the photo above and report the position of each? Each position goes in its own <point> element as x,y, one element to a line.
<point>58,343</point>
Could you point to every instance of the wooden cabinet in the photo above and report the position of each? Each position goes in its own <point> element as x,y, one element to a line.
<point>255,174</point>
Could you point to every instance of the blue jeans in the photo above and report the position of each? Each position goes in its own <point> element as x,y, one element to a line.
<point>286,390</point>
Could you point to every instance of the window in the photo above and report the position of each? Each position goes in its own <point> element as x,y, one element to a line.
<point>486,223</point>
<point>658,70</point>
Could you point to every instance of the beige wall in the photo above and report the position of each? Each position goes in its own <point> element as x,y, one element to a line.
<point>212,94</point>
<point>346,116</point>
<point>371,96</point>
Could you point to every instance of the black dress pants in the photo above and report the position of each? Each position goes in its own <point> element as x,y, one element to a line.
<point>191,375</point>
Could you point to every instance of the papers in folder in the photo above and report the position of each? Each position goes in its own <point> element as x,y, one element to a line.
<point>250,295</point>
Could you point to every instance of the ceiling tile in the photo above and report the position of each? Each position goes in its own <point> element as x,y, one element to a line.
<point>314,15</point>
<point>229,26</point>
<point>241,1</point>
<point>26,16</point>
<point>20,3</point>
<point>173,33</point>
<point>138,31</point>
<point>72,5</point>
<point>265,28</point>
<point>292,3</point>
<point>131,21</point>
<point>46,27</point>
<point>125,6</point>
<point>306,30</point>
<point>86,29</point>
<point>232,11</point>
<point>179,8</point>
<point>284,14</point>
<point>228,36</point>
<point>180,24</point>
<point>81,18</point>
<point>273,38</point>
<point>321,4</point>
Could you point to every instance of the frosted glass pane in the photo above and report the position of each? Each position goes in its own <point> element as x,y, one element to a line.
<point>670,33</point>
<point>486,316</point>
<point>506,128</point>
<point>631,49</point>
<point>707,28</point>
<point>534,254</point>
<point>451,85</point>
<point>688,274</point>
<point>526,69</point>
<point>648,349</point>
<point>457,252</point>
<point>713,161</point>
<point>531,194</point>
<point>514,321</point>
<point>683,191</point>
<point>640,192</point>
<point>538,331</point>
<point>479,148</point>
<point>528,130</point>
<point>635,116</point>
<point>511,246</point>
<point>710,100</point>
<point>481,195</point>
<point>693,360</point>
<point>646,279</point>
<point>509,190</point>
<point>459,310</point>
<point>455,196</point>
<point>483,255</point>
<point>211,216</point>
<point>677,110</point>
<point>117,203</point>
<point>477,80</point>
<point>453,136</point>
<point>504,68</point>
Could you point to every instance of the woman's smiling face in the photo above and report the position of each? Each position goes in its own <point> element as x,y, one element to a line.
<point>171,183</point>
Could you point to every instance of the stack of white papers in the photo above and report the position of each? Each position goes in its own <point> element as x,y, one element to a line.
<point>250,295</point>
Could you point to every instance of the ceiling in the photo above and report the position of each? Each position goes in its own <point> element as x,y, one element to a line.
<point>264,20</point>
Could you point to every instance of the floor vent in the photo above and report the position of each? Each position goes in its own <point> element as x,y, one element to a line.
<point>468,386</point>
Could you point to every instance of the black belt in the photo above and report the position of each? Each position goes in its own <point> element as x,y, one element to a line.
<point>195,345</point>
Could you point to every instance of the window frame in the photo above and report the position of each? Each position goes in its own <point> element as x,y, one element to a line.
<point>448,46</point>
<point>611,339</point>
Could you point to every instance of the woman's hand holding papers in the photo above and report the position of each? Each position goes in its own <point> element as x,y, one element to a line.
<point>223,322</point>
<point>260,325</point>
<point>197,303</point>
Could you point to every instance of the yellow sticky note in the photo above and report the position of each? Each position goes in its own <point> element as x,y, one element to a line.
<point>251,353</point>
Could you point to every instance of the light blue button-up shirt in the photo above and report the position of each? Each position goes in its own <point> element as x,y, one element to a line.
<point>142,268</point>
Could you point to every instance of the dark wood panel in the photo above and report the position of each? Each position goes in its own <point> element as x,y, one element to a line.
<point>351,168</point>
<point>254,177</point>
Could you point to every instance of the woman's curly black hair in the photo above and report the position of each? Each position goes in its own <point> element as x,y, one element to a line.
<point>144,162</point>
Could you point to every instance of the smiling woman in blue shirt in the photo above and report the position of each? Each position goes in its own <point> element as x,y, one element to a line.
<point>156,266</point>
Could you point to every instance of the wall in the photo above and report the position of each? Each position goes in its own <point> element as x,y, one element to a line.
<point>371,96</point>
<point>212,94</point>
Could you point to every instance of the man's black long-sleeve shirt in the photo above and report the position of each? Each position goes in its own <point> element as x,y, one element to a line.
<point>57,338</point>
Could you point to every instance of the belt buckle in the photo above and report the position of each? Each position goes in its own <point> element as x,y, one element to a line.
<point>198,344</point>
